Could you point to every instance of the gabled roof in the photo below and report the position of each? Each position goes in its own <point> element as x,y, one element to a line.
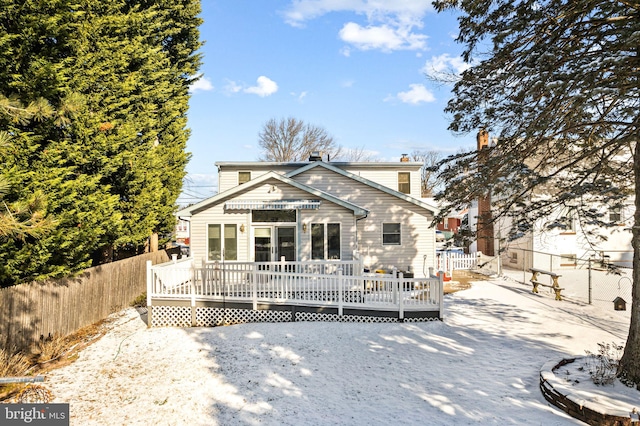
<point>189,211</point>
<point>365,181</point>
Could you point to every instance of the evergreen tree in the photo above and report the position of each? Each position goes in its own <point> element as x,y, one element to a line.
<point>557,82</point>
<point>110,158</point>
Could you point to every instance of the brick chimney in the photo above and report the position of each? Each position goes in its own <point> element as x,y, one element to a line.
<point>404,158</point>
<point>484,236</point>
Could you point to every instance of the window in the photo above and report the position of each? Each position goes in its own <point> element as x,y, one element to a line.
<point>390,234</point>
<point>513,258</point>
<point>333,241</point>
<point>325,237</point>
<point>230,242</point>
<point>568,260</point>
<point>317,241</point>
<point>222,245</point>
<point>271,216</point>
<point>243,177</point>
<point>404,182</point>
<point>568,224</point>
<point>615,214</point>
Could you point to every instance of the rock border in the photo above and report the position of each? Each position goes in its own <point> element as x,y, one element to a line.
<point>557,393</point>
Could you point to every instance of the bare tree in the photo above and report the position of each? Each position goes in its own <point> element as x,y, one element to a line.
<point>291,139</point>
<point>359,154</point>
<point>429,177</point>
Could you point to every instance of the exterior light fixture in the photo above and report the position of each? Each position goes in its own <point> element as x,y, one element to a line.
<point>242,228</point>
<point>304,227</point>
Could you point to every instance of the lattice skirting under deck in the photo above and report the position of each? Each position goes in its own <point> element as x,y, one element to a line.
<point>181,316</point>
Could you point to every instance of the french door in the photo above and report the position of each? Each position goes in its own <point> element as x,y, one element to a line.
<point>270,243</point>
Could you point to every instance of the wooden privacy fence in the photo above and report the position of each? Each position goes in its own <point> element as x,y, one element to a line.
<point>36,310</point>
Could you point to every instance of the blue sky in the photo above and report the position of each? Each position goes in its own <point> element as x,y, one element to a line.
<point>354,67</point>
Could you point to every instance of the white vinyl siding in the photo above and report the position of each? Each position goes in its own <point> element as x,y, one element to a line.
<point>271,190</point>
<point>418,238</point>
<point>389,177</point>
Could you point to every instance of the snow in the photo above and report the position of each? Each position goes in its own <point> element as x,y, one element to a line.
<point>481,365</point>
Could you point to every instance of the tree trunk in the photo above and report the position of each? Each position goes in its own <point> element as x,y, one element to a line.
<point>630,362</point>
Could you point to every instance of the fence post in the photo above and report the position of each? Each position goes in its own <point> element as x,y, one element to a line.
<point>400,285</point>
<point>441,293</point>
<point>430,272</point>
<point>340,290</point>
<point>149,290</point>
<point>589,267</point>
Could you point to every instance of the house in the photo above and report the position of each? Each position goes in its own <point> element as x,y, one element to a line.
<point>567,246</point>
<point>316,210</point>
<point>571,246</point>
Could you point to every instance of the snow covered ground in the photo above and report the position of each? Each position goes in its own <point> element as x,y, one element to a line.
<point>480,366</point>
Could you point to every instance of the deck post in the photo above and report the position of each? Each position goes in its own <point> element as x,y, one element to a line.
<point>254,287</point>
<point>394,286</point>
<point>340,292</point>
<point>400,285</point>
<point>193,303</point>
<point>149,290</point>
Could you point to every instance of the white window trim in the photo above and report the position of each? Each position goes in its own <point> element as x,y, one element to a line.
<point>222,238</point>
<point>383,233</point>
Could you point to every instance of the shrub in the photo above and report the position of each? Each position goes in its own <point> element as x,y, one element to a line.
<point>140,301</point>
<point>13,363</point>
<point>603,367</point>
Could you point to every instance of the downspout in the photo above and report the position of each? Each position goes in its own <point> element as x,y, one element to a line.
<point>357,237</point>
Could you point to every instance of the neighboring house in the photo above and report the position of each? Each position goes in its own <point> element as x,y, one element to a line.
<point>567,244</point>
<point>451,224</point>
<point>316,210</point>
<point>571,246</point>
<point>182,232</point>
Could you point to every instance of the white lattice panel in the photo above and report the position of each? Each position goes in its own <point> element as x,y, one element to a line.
<point>420,319</point>
<point>314,316</point>
<point>359,318</point>
<point>171,316</point>
<point>180,316</point>
<point>208,317</point>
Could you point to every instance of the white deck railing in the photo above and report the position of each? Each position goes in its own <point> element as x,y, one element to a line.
<point>306,283</point>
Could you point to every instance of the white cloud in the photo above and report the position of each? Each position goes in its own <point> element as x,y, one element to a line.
<point>300,11</point>
<point>265,87</point>
<point>445,63</point>
<point>416,94</point>
<point>382,37</point>
<point>232,87</point>
<point>299,96</point>
<point>390,24</point>
<point>203,84</point>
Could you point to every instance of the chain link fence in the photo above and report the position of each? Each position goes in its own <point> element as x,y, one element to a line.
<point>598,277</point>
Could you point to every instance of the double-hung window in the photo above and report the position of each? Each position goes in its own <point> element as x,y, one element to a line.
<point>222,242</point>
<point>404,182</point>
<point>243,177</point>
<point>615,214</point>
<point>391,234</point>
<point>325,241</point>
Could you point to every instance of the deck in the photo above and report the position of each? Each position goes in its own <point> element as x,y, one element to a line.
<point>181,294</point>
